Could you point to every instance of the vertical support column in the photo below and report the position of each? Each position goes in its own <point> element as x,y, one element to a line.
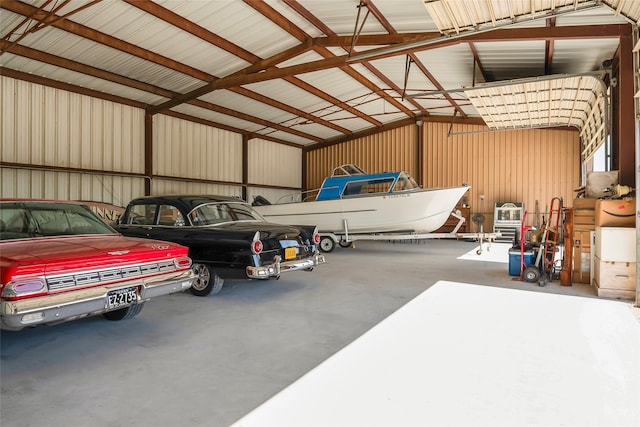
<point>636,81</point>
<point>623,147</point>
<point>305,155</point>
<point>245,164</point>
<point>420,150</point>
<point>148,152</point>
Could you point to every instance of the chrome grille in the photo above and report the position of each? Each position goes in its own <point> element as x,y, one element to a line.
<point>108,275</point>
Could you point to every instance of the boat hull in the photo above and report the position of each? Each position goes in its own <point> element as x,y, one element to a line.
<point>421,211</point>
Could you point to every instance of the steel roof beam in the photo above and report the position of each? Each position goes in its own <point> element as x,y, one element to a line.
<point>543,33</point>
<point>107,40</point>
<point>328,31</point>
<point>298,33</point>
<point>387,26</point>
<point>258,63</point>
<point>497,35</point>
<point>126,81</point>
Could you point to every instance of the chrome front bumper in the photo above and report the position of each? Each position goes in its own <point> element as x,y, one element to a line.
<point>273,270</point>
<point>15,315</point>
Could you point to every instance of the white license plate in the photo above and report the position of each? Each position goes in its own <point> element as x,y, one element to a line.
<point>121,297</point>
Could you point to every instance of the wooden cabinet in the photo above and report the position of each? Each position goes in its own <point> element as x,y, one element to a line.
<point>452,221</point>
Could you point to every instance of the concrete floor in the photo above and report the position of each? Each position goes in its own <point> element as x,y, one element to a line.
<point>189,361</point>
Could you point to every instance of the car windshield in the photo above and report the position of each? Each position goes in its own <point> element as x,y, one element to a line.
<point>216,213</point>
<point>38,219</point>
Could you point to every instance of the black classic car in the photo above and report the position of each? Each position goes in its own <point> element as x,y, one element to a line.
<point>227,238</point>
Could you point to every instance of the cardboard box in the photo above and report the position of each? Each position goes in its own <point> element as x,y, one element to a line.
<point>584,219</point>
<point>581,272</point>
<point>584,203</point>
<point>582,238</point>
<point>615,213</point>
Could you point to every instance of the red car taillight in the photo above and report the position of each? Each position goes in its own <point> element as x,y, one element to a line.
<point>316,236</point>
<point>256,244</point>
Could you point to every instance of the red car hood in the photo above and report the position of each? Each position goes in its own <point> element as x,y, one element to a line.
<point>47,256</point>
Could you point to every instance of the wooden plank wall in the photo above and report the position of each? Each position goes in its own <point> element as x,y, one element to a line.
<point>511,166</point>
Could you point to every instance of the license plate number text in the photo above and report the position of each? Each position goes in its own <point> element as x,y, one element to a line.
<point>121,297</point>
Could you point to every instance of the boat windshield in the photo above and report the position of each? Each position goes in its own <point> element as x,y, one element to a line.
<point>405,182</point>
<point>347,170</point>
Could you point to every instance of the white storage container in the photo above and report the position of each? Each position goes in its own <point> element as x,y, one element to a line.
<point>617,244</point>
<point>615,275</point>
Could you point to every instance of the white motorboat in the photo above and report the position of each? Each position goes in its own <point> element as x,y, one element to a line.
<point>359,202</point>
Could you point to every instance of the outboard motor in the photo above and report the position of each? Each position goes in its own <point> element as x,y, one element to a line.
<point>260,201</point>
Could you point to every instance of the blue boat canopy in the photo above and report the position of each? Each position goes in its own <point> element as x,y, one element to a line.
<point>350,180</point>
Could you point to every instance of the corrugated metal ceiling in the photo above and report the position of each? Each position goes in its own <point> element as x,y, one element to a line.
<point>281,69</point>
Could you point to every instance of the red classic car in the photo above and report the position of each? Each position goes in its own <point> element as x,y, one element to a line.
<point>59,262</point>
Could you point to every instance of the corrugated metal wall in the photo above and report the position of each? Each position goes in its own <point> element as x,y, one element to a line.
<point>115,190</point>
<point>191,150</point>
<point>45,126</point>
<point>52,128</point>
<point>511,166</point>
<point>71,146</point>
<point>167,186</point>
<point>394,149</point>
<point>273,164</point>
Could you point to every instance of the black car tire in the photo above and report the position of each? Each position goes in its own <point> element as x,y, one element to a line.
<point>207,281</point>
<point>327,244</point>
<point>123,313</point>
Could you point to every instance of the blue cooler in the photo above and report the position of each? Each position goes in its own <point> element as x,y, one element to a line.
<point>514,260</point>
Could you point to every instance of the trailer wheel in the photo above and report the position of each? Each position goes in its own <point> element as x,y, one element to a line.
<point>327,244</point>
<point>531,274</point>
<point>345,244</point>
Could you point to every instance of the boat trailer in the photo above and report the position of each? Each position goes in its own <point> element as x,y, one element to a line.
<point>343,238</point>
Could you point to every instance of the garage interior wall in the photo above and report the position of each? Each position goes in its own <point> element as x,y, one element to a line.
<point>62,134</point>
<point>62,145</point>
<point>394,149</point>
<point>92,149</point>
<point>274,166</point>
<point>198,154</point>
<point>529,166</point>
